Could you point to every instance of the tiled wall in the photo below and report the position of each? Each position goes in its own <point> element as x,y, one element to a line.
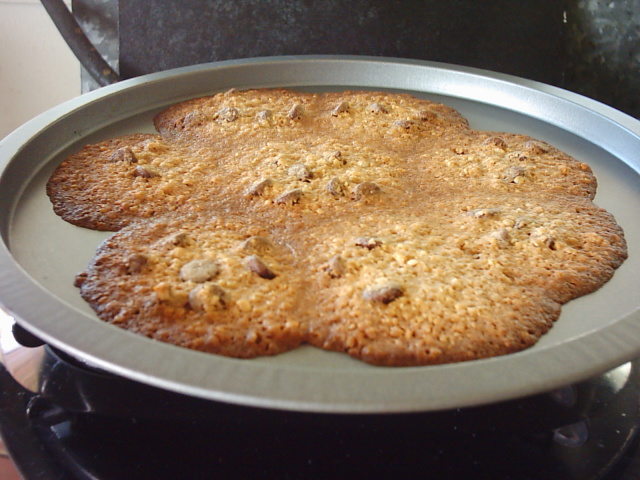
<point>37,69</point>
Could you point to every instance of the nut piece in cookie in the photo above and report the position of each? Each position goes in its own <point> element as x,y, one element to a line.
<point>257,266</point>
<point>385,293</point>
<point>199,271</point>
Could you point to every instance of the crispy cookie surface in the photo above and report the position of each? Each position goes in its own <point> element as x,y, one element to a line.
<point>370,223</point>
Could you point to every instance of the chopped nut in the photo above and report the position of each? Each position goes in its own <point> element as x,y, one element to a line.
<point>386,293</point>
<point>496,142</point>
<point>257,266</point>
<point>207,298</point>
<point>377,108</point>
<point>228,114</point>
<point>300,172</point>
<point>512,173</point>
<point>292,197</point>
<point>335,187</point>
<point>136,262</point>
<point>258,188</point>
<point>368,242</point>
<point>194,119</point>
<point>257,244</point>
<point>483,212</point>
<point>296,112</point>
<point>145,172</point>
<point>540,237</point>
<point>264,115</point>
<point>365,189</point>
<point>124,154</point>
<point>199,271</point>
<point>342,107</point>
<point>335,267</point>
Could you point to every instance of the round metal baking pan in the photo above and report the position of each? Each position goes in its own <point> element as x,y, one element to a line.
<point>40,254</point>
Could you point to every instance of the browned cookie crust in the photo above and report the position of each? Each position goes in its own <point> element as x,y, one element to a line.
<point>374,224</point>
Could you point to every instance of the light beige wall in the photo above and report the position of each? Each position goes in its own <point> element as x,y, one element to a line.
<point>37,69</point>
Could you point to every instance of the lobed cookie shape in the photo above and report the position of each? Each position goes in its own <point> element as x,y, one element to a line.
<point>376,224</point>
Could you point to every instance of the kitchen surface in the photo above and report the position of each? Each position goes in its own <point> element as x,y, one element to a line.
<point>583,431</point>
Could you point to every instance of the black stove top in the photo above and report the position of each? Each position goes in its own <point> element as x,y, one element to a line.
<point>82,423</point>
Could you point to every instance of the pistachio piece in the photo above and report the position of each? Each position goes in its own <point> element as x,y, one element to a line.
<point>385,293</point>
<point>199,271</point>
<point>257,266</point>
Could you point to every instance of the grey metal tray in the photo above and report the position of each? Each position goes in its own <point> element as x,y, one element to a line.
<point>40,253</point>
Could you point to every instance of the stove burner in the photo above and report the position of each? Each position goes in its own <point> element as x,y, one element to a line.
<point>83,423</point>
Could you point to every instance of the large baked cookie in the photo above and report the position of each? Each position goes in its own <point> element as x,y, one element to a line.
<point>370,223</point>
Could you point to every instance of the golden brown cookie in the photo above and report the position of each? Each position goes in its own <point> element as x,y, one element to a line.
<point>370,223</point>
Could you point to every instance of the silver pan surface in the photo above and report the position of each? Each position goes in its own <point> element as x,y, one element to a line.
<point>40,254</point>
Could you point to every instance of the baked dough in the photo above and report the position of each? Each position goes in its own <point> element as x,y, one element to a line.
<point>376,224</point>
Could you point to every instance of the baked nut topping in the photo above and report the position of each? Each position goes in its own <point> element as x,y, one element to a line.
<point>257,266</point>
<point>292,197</point>
<point>258,189</point>
<point>199,271</point>
<point>385,293</point>
<point>124,154</point>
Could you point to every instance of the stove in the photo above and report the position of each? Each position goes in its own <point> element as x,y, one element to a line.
<point>60,418</point>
